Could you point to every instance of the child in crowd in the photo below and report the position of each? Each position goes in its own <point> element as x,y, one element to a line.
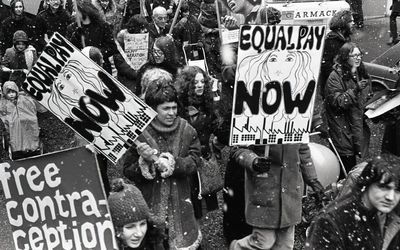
<point>19,115</point>
<point>19,59</point>
<point>133,223</point>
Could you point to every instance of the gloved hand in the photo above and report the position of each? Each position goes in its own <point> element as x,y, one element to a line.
<point>262,164</point>
<point>318,190</point>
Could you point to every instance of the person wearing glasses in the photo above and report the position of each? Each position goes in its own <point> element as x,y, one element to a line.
<point>346,92</point>
<point>159,26</point>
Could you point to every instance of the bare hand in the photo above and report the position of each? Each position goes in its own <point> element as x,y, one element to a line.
<point>362,84</point>
<point>146,151</point>
<point>230,22</point>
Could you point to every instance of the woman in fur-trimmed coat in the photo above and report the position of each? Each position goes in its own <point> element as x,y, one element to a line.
<point>161,165</point>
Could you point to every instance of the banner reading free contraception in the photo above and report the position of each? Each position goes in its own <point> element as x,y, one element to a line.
<point>275,84</point>
<point>87,98</point>
<point>56,201</point>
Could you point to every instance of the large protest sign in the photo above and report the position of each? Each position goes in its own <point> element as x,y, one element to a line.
<point>87,98</point>
<point>56,201</point>
<point>275,84</point>
<point>137,49</point>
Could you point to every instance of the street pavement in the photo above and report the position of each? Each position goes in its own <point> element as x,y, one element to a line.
<point>373,37</point>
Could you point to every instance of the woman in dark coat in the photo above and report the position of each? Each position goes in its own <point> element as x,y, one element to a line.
<point>364,218</point>
<point>95,32</point>
<point>346,92</point>
<point>161,165</point>
<point>56,18</point>
<point>195,94</point>
<point>163,55</point>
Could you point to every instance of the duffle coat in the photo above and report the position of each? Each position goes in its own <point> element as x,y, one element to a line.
<point>275,201</point>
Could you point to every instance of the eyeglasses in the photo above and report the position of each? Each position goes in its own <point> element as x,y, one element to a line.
<point>359,56</point>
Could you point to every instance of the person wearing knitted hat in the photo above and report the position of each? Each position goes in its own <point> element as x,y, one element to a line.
<point>133,223</point>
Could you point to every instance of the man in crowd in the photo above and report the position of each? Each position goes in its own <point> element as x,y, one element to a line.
<point>159,26</point>
<point>363,218</point>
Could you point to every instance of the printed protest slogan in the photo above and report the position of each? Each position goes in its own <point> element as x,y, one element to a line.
<point>275,84</point>
<point>136,48</point>
<point>87,98</point>
<point>56,201</point>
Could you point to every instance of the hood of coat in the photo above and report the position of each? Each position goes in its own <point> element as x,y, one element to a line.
<point>9,85</point>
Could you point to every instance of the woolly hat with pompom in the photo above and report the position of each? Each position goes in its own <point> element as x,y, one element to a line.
<point>127,204</point>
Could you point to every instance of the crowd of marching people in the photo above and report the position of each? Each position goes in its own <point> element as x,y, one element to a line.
<point>158,204</point>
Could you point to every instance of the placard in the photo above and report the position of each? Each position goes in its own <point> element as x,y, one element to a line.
<point>57,201</point>
<point>87,98</point>
<point>275,83</point>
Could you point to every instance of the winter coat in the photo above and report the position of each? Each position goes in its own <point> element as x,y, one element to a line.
<point>333,42</point>
<point>112,14</point>
<point>344,111</point>
<point>10,25</point>
<point>275,201</point>
<point>187,31</point>
<point>56,22</point>
<point>96,34</point>
<point>348,225</point>
<point>174,192</point>
<point>19,60</point>
<point>395,6</point>
<point>20,119</point>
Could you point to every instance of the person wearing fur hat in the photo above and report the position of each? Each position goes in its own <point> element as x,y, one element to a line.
<point>341,26</point>
<point>161,165</point>
<point>34,28</point>
<point>134,225</point>
<point>19,59</point>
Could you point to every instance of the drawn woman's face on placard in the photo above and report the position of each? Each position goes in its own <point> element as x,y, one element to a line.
<point>279,64</point>
<point>67,85</point>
